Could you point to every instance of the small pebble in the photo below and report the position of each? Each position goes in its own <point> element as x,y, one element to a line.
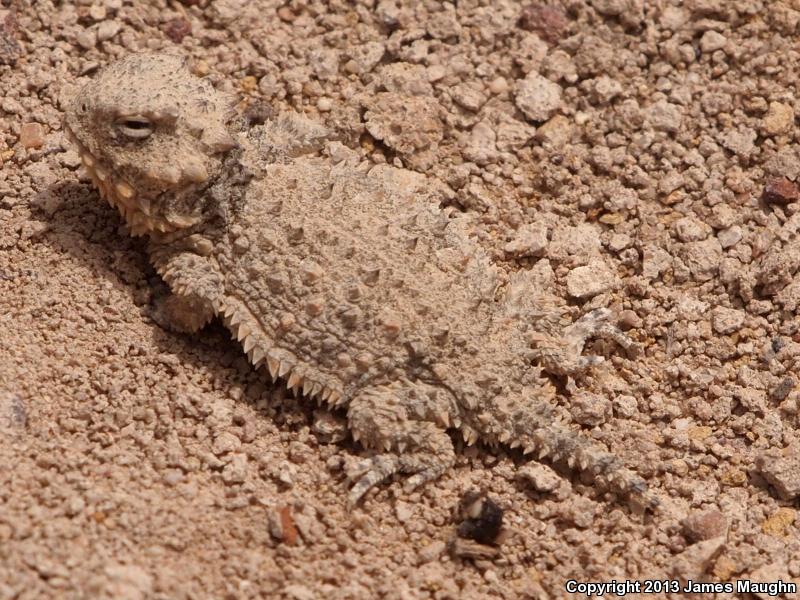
<point>282,526</point>
<point>590,280</point>
<point>782,471</point>
<point>403,511</point>
<point>86,38</point>
<point>10,49</point>
<point>557,132</point>
<point>726,321</point>
<point>730,237</point>
<point>498,85</point>
<point>436,72</point>
<point>712,41</point>
<point>236,470</point>
<point>431,552</point>
<point>704,525</point>
<point>540,477</point>
<point>107,30</point>
<point>285,14</point>
<point>97,12</point>
<point>31,135</point>
<point>75,506</point>
<point>606,89</point>
<point>298,592</point>
<point>781,391</point>
<point>530,240</point>
<point>779,119</point>
<point>201,68</point>
<point>173,477</point>
<point>665,116</point>
<point>625,406</point>
<point>176,29</point>
<point>547,21</point>
<point>470,97</point>
<point>12,106</point>
<point>590,409</point>
<point>538,97</point>
<point>619,241</point>
<point>780,191</point>
<point>286,473</point>
<point>689,229</point>
<point>225,442</point>
<point>779,522</point>
<point>628,319</point>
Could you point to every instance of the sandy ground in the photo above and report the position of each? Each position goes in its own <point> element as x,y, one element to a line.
<point>641,155</point>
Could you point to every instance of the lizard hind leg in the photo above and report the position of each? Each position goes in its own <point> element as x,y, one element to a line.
<point>181,313</point>
<point>398,423</point>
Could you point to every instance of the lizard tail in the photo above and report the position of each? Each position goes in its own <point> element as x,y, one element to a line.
<point>534,426</point>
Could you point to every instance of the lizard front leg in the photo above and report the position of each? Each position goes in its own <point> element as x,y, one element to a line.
<point>181,314</point>
<point>194,281</point>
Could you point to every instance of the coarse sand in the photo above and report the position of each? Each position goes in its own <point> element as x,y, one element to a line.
<point>641,155</point>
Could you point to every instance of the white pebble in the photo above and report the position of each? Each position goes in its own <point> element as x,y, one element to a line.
<point>590,280</point>
<point>538,97</point>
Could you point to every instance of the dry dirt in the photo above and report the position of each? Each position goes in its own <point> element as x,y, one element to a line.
<point>641,155</point>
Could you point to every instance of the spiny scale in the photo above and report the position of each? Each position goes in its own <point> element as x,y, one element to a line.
<point>258,355</point>
<point>273,364</point>
<point>243,332</point>
<point>293,380</point>
<point>284,368</point>
<point>294,374</point>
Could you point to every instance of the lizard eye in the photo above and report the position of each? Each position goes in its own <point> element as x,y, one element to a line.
<point>136,127</point>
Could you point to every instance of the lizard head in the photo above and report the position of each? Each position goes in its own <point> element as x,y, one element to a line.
<point>152,137</point>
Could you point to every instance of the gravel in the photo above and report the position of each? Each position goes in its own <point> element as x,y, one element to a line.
<point>538,97</point>
<point>782,471</point>
<point>631,155</point>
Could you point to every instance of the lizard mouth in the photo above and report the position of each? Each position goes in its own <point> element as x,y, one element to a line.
<point>134,208</point>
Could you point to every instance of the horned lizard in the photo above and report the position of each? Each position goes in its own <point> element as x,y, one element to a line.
<point>344,278</point>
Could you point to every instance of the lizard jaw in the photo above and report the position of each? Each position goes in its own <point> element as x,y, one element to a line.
<point>120,194</point>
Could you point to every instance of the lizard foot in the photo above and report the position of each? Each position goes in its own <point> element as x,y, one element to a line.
<point>399,422</point>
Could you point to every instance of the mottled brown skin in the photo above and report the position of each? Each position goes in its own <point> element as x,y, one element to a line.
<point>343,278</point>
